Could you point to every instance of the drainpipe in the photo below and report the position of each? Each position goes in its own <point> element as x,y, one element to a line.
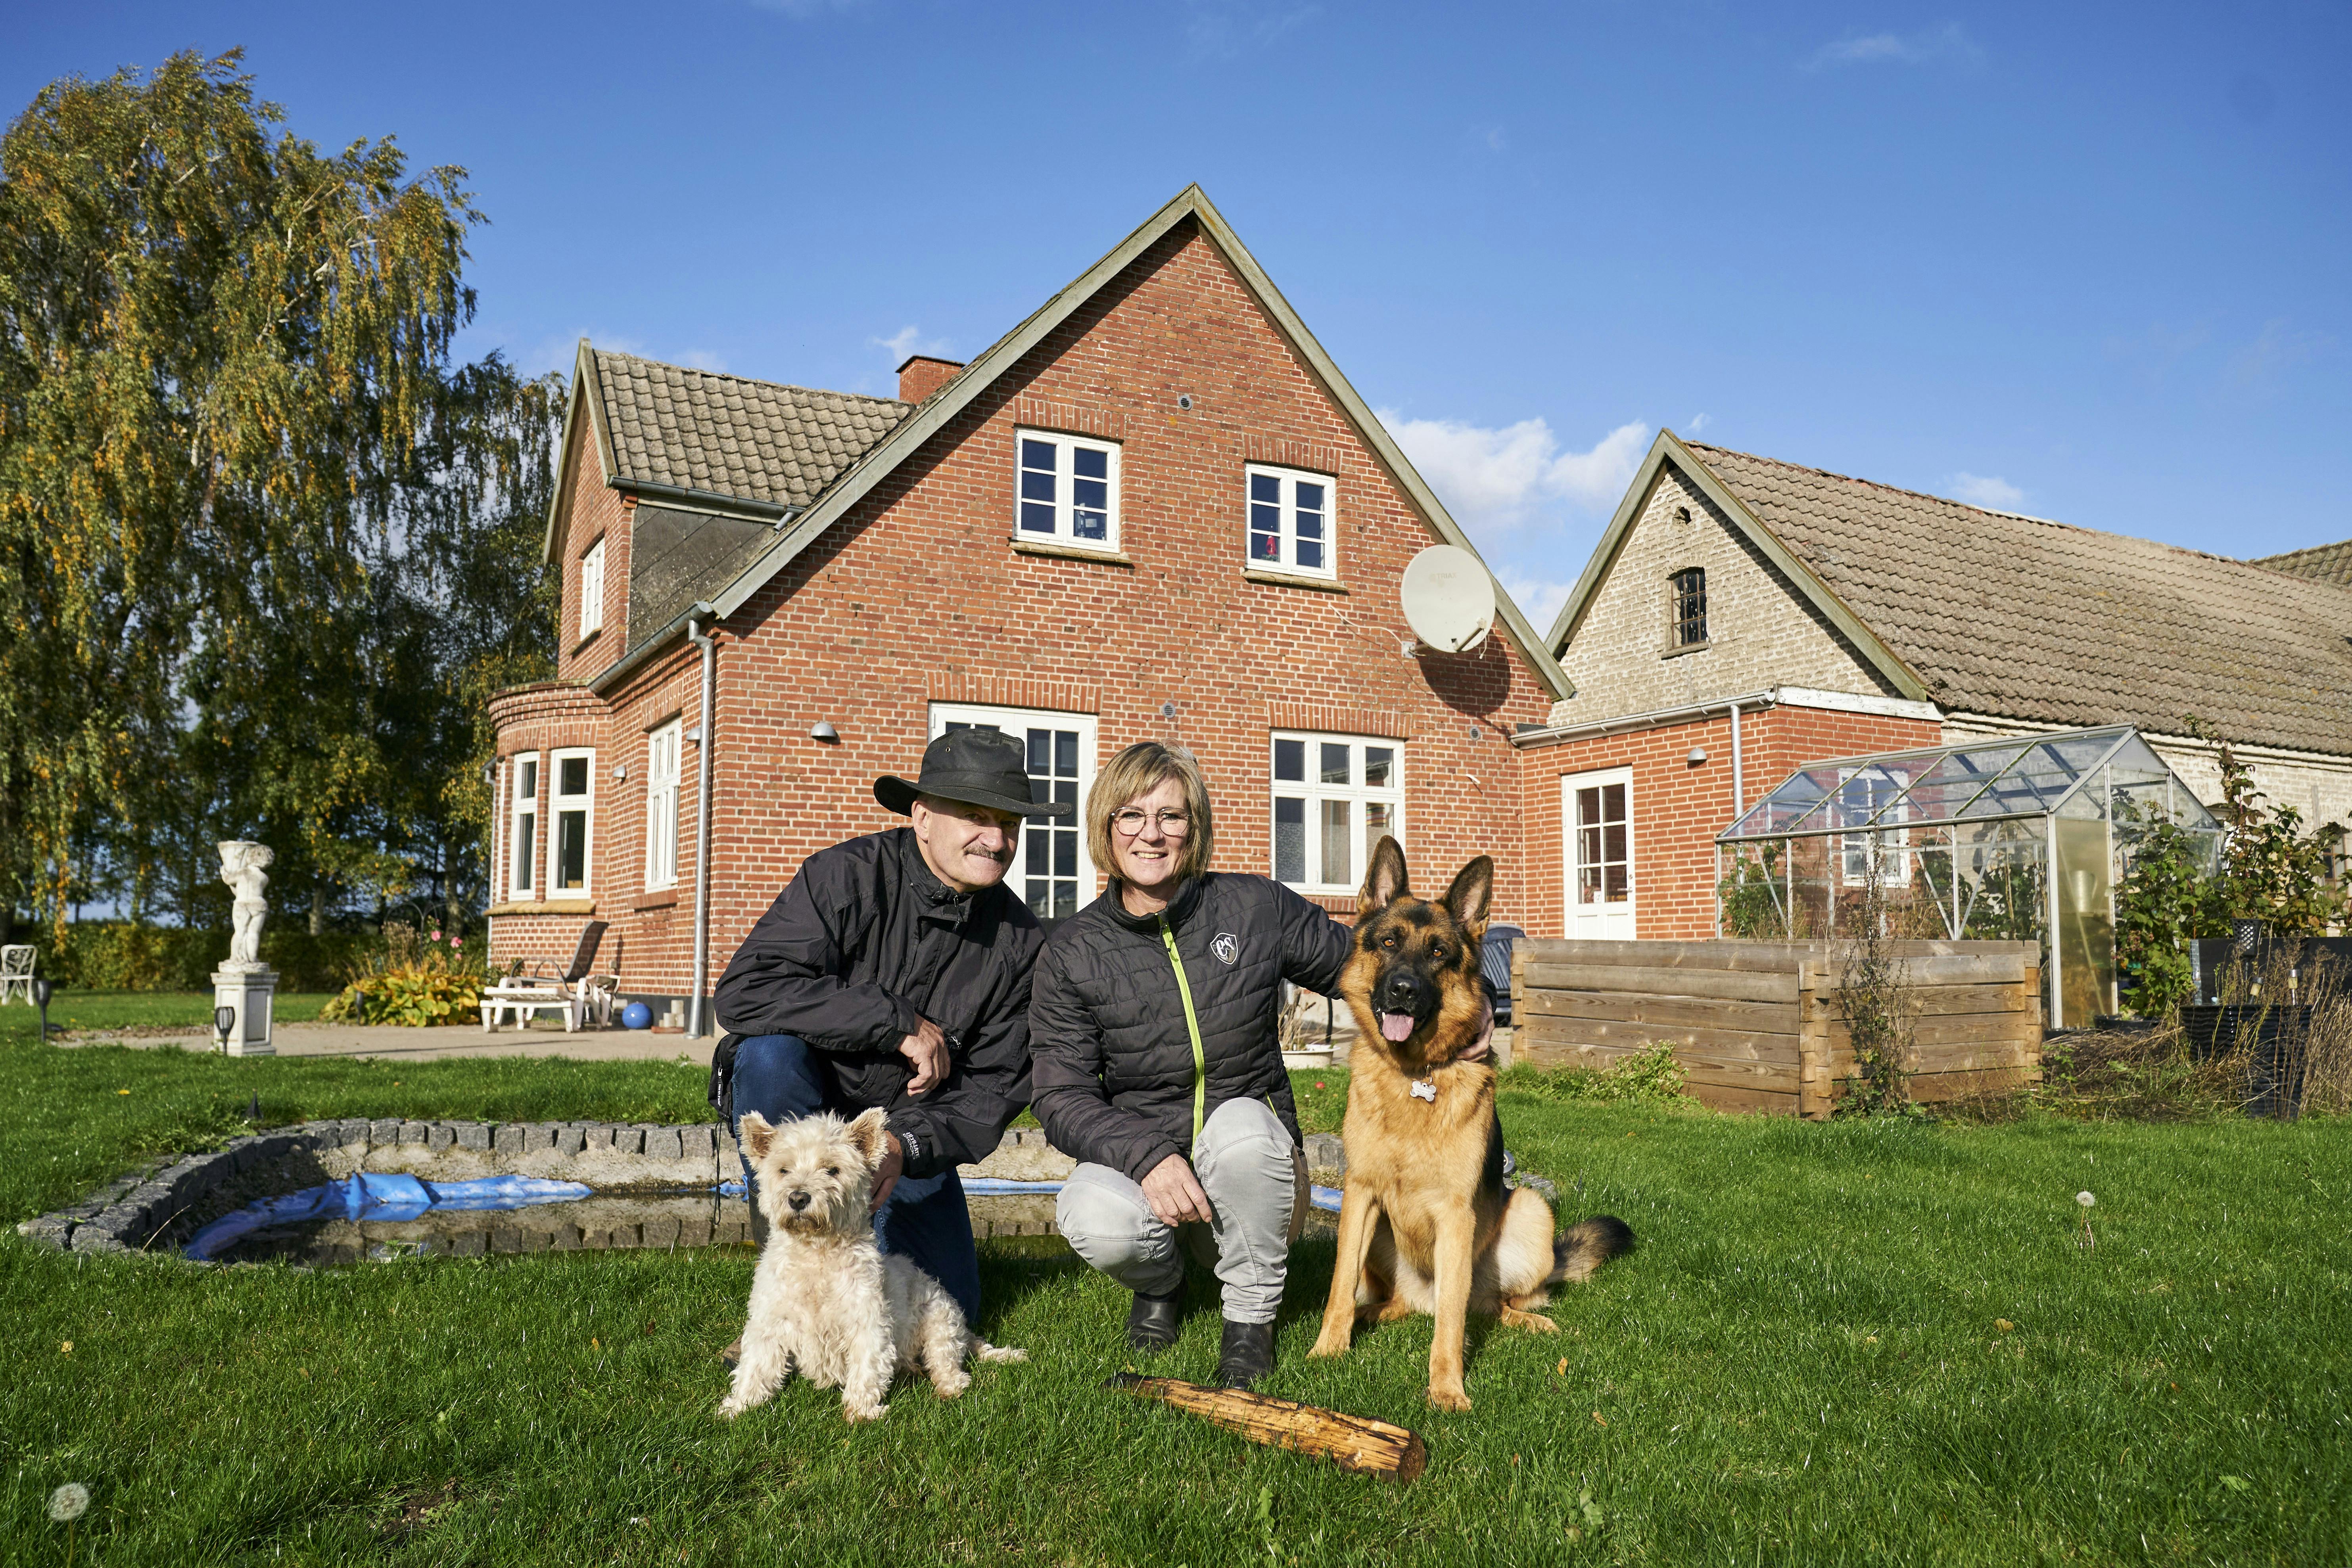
<point>697,633</point>
<point>1739,789</point>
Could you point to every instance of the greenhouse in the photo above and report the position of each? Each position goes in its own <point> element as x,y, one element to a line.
<point>1962,842</point>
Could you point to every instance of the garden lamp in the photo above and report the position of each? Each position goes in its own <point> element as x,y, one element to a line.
<point>42,991</point>
<point>224,1021</point>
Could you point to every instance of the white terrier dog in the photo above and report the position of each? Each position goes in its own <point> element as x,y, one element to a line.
<point>824,1299</point>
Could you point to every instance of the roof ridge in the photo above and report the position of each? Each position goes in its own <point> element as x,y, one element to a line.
<point>1971,506</point>
<point>746,381</point>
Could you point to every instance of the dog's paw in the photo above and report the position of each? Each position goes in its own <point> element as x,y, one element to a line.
<point>1328,1347</point>
<point>1449,1400</point>
<point>951,1385</point>
<point>984,1350</point>
<point>857,1414</point>
<point>731,1408</point>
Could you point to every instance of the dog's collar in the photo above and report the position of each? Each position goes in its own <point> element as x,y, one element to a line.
<point>1425,1088</point>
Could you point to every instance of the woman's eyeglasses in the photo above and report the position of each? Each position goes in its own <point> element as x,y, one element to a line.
<point>1130,822</point>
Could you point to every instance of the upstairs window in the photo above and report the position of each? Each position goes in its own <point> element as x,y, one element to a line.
<point>1690,606</point>
<point>1053,873</point>
<point>661,806</point>
<point>574,777</point>
<point>592,590</point>
<point>1290,525</point>
<point>524,837</point>
<point>1335,797</point>
<point>1068,490</point>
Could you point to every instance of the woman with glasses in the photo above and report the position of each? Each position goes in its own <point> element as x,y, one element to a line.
<point>1156,1063</point>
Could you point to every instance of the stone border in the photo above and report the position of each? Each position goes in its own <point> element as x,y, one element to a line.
<point>162,1202</point>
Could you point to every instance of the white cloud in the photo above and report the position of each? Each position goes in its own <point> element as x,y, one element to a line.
<point>2254,366</point>
<point>1945,44</point>
<point>1984,490</point>
<point>1539,599</point>
<point>1697,423</point>
<point>704,360</point>
<point>1500,478</point>
<point>908,340</point>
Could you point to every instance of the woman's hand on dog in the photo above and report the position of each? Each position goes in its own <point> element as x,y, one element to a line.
<point>1175,1192</point>
<point>926,1048</point>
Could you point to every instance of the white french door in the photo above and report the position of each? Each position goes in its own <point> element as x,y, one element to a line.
<point>1596,813</point>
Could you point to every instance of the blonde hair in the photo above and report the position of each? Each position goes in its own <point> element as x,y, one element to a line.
<point>1136,772</point>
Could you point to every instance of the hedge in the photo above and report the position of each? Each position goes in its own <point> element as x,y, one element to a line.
<point>117,955</point>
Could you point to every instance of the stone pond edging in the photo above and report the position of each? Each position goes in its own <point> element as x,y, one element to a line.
<point>162,1202</point>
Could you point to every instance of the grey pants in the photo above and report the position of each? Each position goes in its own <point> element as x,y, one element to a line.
<point>1256,1181</point>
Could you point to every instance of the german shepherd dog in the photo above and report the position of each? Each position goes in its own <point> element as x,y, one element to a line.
<point>1425,1223</point>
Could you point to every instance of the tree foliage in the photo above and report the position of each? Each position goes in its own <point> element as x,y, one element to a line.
<point>258,537</point>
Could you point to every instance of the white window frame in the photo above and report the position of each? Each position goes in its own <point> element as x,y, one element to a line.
<point>1854,849</point>
<point>1287,506</point>
<point>1064,532</point>
<point>592,590</point>
<point>523,880</point>
<point>557,805</point>
<point>1018,721</point>
<point>1314,793</point>
<point>664,745</point>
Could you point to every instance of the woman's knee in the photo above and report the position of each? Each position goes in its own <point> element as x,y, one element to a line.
<point>1105,1225</point>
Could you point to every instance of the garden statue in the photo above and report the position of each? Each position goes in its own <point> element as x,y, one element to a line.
<point>241,863</point>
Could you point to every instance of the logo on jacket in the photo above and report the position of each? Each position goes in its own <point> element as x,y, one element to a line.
<point>1227,948</point>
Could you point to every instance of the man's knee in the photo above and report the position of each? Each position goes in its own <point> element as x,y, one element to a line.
<point>776,1075</point>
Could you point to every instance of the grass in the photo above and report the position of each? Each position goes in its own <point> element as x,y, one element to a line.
<point>102,1011</point>
<point>1805,1361</point>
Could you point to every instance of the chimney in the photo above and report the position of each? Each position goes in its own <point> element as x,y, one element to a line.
<point>922,375</point>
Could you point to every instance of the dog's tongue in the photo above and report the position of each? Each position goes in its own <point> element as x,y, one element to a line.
<point>1396,1027</point>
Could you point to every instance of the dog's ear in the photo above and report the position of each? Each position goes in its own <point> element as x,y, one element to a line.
<point>1384,880</point>
<point>871,1136</point>
<point>758,1135</point>
<point>1467,899</point>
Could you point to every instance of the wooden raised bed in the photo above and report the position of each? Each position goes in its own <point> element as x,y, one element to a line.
<point>1756,1025</point>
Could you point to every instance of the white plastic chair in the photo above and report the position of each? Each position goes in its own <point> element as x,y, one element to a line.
<point>576,993</point>
<point>16,971</point>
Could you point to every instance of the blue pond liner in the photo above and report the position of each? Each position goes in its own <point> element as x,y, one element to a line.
<point>1323,1197</point>
<point>377,1195</point>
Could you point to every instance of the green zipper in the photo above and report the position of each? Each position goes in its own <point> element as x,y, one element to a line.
<point>1191,1026</point>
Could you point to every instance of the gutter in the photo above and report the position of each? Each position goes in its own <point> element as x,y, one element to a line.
<point>1552,735</point>
<point>697,633</point>
<point>704,500</point>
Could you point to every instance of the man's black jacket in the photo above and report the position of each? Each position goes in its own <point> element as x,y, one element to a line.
<point>857,950</point>
<point>1112,1069</point>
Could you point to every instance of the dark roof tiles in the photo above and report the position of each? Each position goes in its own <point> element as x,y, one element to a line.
<point>2039,621</point>
<point>724,435</point>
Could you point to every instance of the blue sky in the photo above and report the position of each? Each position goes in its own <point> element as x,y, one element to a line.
<point>2090,263</point>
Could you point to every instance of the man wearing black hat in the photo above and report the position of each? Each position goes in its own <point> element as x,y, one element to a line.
<point>893,973</point>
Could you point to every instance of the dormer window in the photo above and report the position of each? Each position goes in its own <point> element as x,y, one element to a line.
<point>1689,607</point>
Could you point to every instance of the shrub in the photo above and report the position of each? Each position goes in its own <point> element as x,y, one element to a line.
<point>119,956</point>
<point>1650,1074</point>
<point>416,979</point>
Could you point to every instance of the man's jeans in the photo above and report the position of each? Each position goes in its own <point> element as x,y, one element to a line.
<point>924,1221</point>
<point>1256,1181</point>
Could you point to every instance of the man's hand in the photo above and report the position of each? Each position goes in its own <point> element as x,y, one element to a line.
<point>1175,1192</point>
<point>1477,1048</point>
<point>893,1166</point>
<point>926,1048</point>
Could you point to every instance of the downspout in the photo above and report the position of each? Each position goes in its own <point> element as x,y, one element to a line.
<point>1739,788</point>
<point>697,634</point>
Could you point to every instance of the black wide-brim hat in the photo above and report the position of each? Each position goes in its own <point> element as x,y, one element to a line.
<point>975,767</point>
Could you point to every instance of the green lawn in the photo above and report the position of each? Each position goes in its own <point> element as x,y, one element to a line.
<point>1803,1362</point>
<point>100,1010</point>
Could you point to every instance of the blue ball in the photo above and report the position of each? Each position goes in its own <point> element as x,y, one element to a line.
<point>636,1015</point>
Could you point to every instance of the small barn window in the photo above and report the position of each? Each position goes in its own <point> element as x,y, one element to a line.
<point>1690,606</point>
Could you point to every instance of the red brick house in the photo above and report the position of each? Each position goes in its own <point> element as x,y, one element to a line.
<point>1154,509</point>
<point>1742,617</point>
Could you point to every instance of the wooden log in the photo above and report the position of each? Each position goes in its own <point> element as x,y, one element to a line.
<point>1352,1442</point>
<point>1729,985</point>
<point>1632,1006</point>
<point>1731,1044</point>
<point>1996,997</point>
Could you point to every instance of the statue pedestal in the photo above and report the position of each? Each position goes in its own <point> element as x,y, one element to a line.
<point>252,993</point>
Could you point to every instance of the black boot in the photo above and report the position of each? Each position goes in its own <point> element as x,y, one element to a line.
<point>1152,1322</point>
<point>1247,1354</point>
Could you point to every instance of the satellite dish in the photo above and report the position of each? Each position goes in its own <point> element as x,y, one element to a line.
<point>1449,599</point>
